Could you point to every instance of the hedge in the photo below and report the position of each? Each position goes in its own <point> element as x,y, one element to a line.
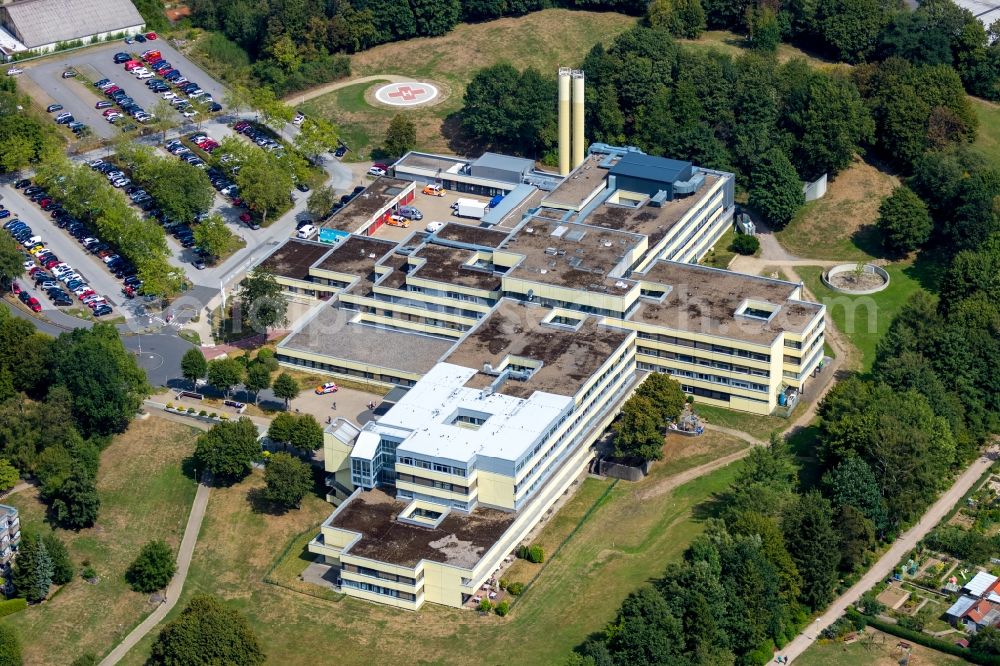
<point>921,638</point>
<point>11,606</point>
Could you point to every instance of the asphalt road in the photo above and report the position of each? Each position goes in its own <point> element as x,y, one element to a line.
<point>885,565</point>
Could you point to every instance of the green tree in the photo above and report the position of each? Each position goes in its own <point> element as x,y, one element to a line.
<point>745,244</point>
<point>852,483</point>
<point>903,221</point>
<point>857,537</point>
<point>681,18</point>
<point>11,262</point>
<point>258,378</point>
<point>32,572</point>
<point>213,236</point>
<point>62,565</point>
<point>193,366</point>
<point>164,118</point>
<point>666,395</point>
<point>207,632</point>
<point>263,304</point>
<point>315,137</point>
<point>181,190</point>
<point>152,568</point>
<point>814,547</point>
<point>307,435</point>
<point>86,659</point>
<point>775,191</point>
<point>435,17</point>
<point>321,201</point>
<point>285,387</point>
<point>763,31</point>
<point>224,374</point>
<point>264,185</point>
<point>104,379</point>
<point>764,527</point>
<point>282,427</point>
<point>986,641</point>
<point>511,110</point>
<point>850,28</point>
<point>75,503</point>
<point>10,647</point>
<point>229,449</point>
<point>401,136</point>
<point>639,430</point>
<point>9,476</point>
<point>288,480</point>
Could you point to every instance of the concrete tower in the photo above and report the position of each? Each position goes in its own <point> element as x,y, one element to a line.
<point>564,120</point>
<point>578,111</point>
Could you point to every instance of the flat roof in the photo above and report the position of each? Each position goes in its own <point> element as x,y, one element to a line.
<point>356,256</point>
<point>447,265</point>
<point>705,300</point>
<point>569,357</point>
<point>361,208</point>
<point>460,540</point>
<point>473,235</point>
<point>294,258</point>
<point>332,334</point>
<point>429,161</point>
<point>571,255</point>
<point>579,183</point>
<point>650,167</point>
<point>503,162</point>
<point>655,222</point>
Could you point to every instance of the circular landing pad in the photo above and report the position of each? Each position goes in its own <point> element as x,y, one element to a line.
<point>407,93</point>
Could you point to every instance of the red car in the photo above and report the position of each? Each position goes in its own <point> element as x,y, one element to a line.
<point>16,288</point>
<point>150,35</point>
<point>245,217</point>
<point>34,304</point>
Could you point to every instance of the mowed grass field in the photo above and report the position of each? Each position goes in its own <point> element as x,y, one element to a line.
<point>865,319</point>
<point>841,225</point>
<point>626,540</point>
<point>545,39</point>
<point>988,139</point>
<point>145,495</point>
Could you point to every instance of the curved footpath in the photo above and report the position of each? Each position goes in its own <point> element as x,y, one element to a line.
<point>318,91</point>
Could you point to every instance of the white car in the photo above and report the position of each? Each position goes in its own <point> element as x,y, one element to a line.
<point>375,171</point>
<point>14,71</point>
<point>144,75</point>
<point>434,226</point>
<point>190,113</point>
<point>169,95</point>
<point>299,119</point>
<point>306,231</point>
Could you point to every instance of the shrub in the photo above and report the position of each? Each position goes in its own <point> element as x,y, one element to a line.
<point>170,405</point>
<point>224,417</point>
<point>88,573</point>
<point>152,569</point>
<point>536,555</point>
<point>11,606</point>
<point>190,410</point>
<point>503,583</point>
<point>517,589</point>
<point>502,608</point>
<point>485,606</point>
<point>745,244</point>
<point>203,413</point>
<point>213,415</point>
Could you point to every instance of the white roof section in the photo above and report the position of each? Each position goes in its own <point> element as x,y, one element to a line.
<point>367,445</point>
<point>986,11</point>
<point>41,22</point>
<point>512,425</point>
<point>963,604</point>
<point>980,583</point>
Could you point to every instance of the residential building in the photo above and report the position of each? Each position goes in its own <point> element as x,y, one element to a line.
<point>979,604</point>
<point>10,533</point>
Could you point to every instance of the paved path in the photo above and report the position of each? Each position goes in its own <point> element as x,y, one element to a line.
<point>883,568</point>
<point>19,488</point>
<point>173,591</point>
<point>318,91</point>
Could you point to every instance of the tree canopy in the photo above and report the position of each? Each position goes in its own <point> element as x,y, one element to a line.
<point>153,568</point>
<point>229,449</point>
<point>288,480</point>
<point>207,632</point>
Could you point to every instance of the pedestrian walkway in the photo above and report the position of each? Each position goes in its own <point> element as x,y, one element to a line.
<point>176,586</point>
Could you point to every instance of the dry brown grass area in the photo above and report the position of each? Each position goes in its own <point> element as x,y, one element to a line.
<point>840,226</point>
<point>144,496</point>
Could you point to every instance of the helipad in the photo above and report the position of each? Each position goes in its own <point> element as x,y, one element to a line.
<point>407,93</point>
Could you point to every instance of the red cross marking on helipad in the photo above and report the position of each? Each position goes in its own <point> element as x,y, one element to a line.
<point>407,94</point>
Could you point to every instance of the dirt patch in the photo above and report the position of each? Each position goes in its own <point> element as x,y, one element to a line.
<point>852,281</point>
<point>841,225</point>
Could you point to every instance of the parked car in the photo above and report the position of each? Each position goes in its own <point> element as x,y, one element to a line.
<point>328,387</point>
<point>69,74</point>
<point>51,108</point>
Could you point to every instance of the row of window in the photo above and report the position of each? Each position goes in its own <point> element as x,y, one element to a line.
<point>378,589</point>
<point>702,211</point>
<point>436,467</point>
<point>718,349</point>
<point>375,573</point>
<point>341,370</point>
<point>717,379</point>
<point>432,483</point>
<point>697,360</point>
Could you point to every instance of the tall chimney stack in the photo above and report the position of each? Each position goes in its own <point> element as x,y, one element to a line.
<point>564,120</point>
<point>578,111</point>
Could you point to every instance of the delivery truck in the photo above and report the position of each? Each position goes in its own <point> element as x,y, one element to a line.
<point>470,208</point>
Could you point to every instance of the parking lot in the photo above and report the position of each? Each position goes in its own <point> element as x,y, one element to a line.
<point>64,246</point>
<point>434,209</point>
<point>95,64</point>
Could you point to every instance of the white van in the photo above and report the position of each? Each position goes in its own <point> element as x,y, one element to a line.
<point>306,231</point>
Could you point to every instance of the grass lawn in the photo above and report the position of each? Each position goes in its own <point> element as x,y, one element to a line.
<point>841,225</point>
<point>873,648</point>
<point>539,39</point>
<point>721,255</point>
<point>865,319</point>
<point>988,140</point>
<point>754,425</point>
<point>627,540</point>
<point>144,496</point>
<point>735,44</point>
